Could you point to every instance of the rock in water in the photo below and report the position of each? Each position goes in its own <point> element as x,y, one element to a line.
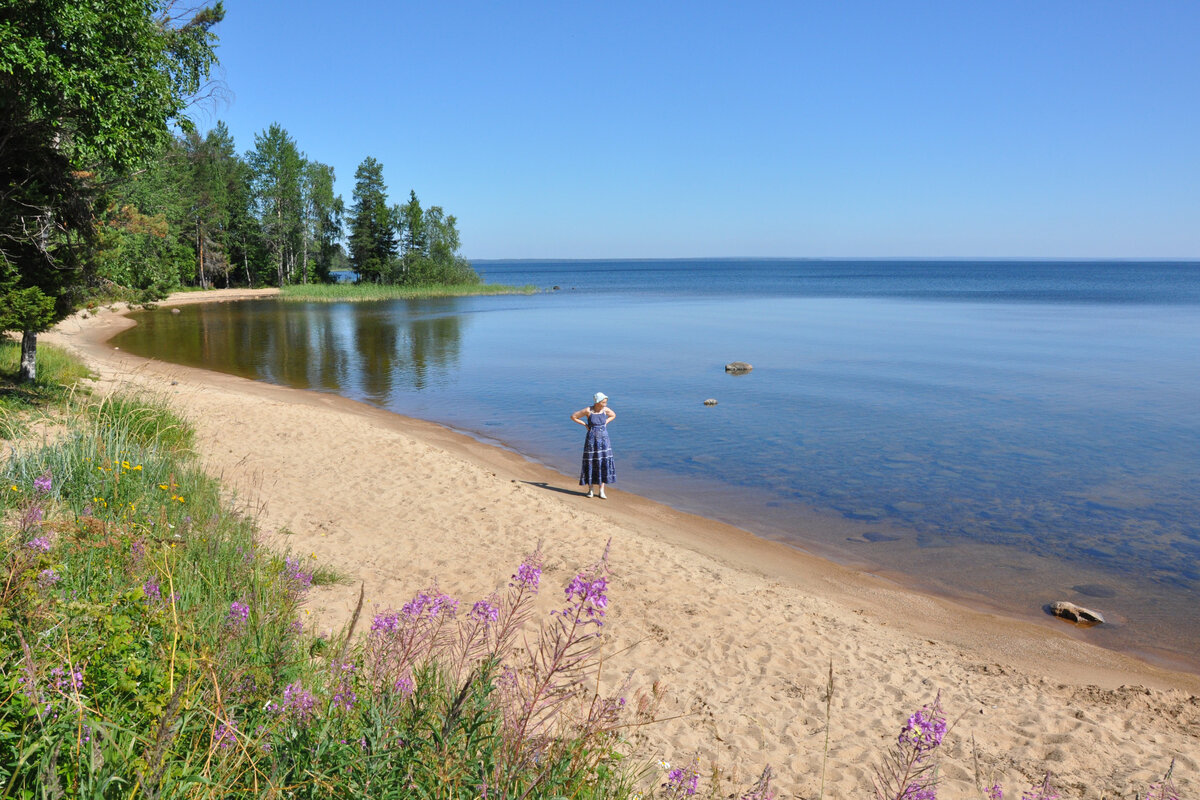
<point>1074,613</point>
<point>710,401</point>
<point>738,367</point>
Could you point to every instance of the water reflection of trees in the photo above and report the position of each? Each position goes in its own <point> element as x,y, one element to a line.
<point>362,350</point>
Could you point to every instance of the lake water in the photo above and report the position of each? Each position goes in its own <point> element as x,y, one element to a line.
<point>1011,433</point>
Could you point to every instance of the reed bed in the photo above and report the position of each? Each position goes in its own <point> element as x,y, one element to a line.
<point>363,292</point>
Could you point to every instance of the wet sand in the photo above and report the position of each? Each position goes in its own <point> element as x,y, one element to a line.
<point>740,631</point>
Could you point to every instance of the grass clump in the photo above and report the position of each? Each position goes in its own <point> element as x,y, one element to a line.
<point>143,420</point>
<point>360,292</point>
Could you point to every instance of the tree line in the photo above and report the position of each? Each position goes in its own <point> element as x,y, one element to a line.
<point>202,215</point>
<point>106,187</point>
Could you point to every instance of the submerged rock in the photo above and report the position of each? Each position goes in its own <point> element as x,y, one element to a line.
<point>1074,613</point>
<point>710,402</point>
<point>738,367</point>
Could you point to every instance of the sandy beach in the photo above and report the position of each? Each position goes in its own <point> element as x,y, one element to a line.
<point>741,632</point>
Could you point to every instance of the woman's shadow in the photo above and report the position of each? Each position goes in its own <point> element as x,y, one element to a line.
<point>559,489</point>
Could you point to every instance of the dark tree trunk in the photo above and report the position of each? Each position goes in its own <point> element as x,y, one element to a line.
<point>28,371</point>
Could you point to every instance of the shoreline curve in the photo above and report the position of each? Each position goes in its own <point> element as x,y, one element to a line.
<point>741,629</point>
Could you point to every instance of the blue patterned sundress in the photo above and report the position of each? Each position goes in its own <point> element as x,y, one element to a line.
<point>598,466</point>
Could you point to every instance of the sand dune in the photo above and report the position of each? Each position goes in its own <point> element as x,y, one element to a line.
<point>740,631</point>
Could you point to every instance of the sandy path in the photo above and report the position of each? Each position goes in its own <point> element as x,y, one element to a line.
<point>740,631</point>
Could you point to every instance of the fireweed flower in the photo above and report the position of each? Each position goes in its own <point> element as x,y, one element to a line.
<point>225,736</point>
<point>587,596</point>
<point>919,791</point>
<point>67,679</point>
<point>299,579</point>
<point>443,606</point>
<point>485,612</point>
<point>39,545</point>
<point>297,703</point>
<point>387,622</point>
<point>151,589</point>
<point>404,686</point>
<point>239,612</point>
<point>924,731</point>
<point>528,575</point>
<point>344,698</point>
<point>1041,791</point>
<point>682,781</point>
<point>415,607</point>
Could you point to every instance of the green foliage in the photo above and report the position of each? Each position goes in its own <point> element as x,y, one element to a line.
<point>84,88</point>
<point>58,379</point>
<point>372,226</point>
<point>323,212</point>
<point>75,65</point>
<point>277,167</point>
<point>27,309</point>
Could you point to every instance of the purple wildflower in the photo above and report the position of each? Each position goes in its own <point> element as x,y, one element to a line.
<point>405,687</point>
<point>39,545</point>
<point>151,589</point>
<point>588,596</point>
<point>67,679</point>
<point>225,736</point>
<point>300,580</point>
<point>682,781</point>
<point>443,605</point>
<point>415,607</point>
<point>485,612</point>
<point>924,731</point>
<point>528,573</point>
<point>344,698</point>
<point>298,703</point>
<point>239,612</point>
<point>387,622</point>
<point>919,790</point>
<point>47,578</point>
<point>431,603</point>
<point>1041,791</point>
<point>42,484</point>
<point>994,792</point>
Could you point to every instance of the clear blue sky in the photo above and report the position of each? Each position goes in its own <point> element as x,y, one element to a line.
<point>693,129</point>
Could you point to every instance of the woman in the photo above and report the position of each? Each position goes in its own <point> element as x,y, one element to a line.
<point>598,464</point>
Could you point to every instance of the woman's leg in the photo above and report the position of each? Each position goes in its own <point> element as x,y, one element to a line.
<point>602,495</point>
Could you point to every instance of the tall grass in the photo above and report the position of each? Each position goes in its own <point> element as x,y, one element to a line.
<point>351,292</point>
<point>58,375</point>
